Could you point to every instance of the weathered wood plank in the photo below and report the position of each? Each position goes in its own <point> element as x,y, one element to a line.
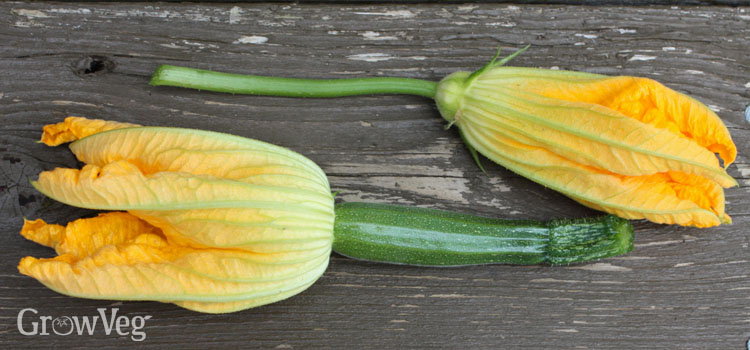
<point>682,288</point>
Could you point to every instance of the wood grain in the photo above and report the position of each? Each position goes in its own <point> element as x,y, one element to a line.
<point>682,288</point>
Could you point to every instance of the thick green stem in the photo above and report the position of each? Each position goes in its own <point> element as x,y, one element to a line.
<point>418,236</point>
<point>290,87</point>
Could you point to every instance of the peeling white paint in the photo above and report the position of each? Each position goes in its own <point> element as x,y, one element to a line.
<point>371,57</point>
<point>501,24</point>
<point>173,46</point>
<point>587,36</point>
<point>452,296</point>
<point>642,58</point>
<point>333,32</point>
<point>375,169</point>
<point>234,15</point>
<point>200,45</point>
<point>691,71</point>
<point>70,11</point>
<point>626,31</point>
<point>377,57</point>
<point>73,103</point>
<point>396,14</point>
<point>449,189</point>
<point>714,108</point>
<point>683,264</point>
<point>497,184</point>
<point>554,280</point>
<point>30,16</point>
<point>566,330</point>
<point>148,11</point>
<point>747,85</point>
<point>649,244</point>
<point>29,13</point>
<point>360,196</point>
<point>413,69</point>
<point>251,39</point>
<point>668,48</point>
<point>224,104</point>
<point>744,169</point>
<point>580,43</point>
<point>602,267</point>
<point>494,203</point>
<point>370,35</point>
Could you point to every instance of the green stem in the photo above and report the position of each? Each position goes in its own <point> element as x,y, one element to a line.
<point>167,75</point>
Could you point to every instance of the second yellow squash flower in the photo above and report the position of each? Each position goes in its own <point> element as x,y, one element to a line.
<point>624,145</point>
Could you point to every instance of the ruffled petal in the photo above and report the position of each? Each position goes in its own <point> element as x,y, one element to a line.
<point>147,267</point>
<point>122,186</point>
<point>198,152</point>
<point>642,99</point>
<point>658,197</point>
<point>74,128</point>
<point>83,237</point>
<point>590,134</point>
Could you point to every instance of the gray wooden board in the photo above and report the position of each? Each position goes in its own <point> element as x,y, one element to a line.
<point>682,288</point>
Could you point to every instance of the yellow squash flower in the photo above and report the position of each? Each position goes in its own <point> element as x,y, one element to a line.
<point>624,145</point>
<point>208,221</point>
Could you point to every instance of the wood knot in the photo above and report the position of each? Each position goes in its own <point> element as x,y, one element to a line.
<point>93,65</point>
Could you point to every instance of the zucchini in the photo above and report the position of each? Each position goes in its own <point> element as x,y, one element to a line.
<point>429,237</point>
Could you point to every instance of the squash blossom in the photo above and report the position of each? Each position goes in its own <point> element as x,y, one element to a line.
<point>219,223</point>
<point>208,221</point>
<point>624,145</point>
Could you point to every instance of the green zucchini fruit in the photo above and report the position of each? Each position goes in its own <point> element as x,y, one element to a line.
<point>429,237</point>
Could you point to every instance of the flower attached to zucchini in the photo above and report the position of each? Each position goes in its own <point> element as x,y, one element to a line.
<point>624,145</point>
<point>211,222</point>
<point>219,223</point>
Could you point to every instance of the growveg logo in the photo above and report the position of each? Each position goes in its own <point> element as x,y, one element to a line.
<point>29,323</point>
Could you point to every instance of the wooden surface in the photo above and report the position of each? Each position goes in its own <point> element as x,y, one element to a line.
<point>682,288</point>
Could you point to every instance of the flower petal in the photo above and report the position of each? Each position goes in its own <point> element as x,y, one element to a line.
<point>639,98</point>
<point>122,186</point>
<point>589,134</point>
<point>199,152</point>
<point>232,306</point>
<point>255,229</point>
<point>147,267</point>
<point>74,128</point>
<point>85,236</point>
<point>659,198</point>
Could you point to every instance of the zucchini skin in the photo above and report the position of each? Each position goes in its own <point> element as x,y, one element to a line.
<point>429,237</point>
